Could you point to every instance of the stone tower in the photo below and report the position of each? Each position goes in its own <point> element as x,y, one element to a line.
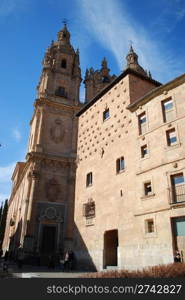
<point>52,147</point>
<point>95,81</point>
<point>41,205</point>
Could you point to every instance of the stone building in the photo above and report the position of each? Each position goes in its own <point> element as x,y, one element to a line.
<point>130,189</point>
<point>41,207</point>
<point>105,178</point>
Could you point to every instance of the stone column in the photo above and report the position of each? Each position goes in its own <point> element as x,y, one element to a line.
<point>39,144</point>
<point>24,225</point>
<point>32,204</point>
<point>70,208</point>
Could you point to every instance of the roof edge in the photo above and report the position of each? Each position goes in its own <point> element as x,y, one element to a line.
<point>156,91</point>
<point>115,81</point>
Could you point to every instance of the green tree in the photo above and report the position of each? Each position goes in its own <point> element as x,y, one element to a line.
<point>3,221</point>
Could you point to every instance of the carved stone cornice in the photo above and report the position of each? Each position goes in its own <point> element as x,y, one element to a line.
<point>34,156</point>
<point>50,101</point>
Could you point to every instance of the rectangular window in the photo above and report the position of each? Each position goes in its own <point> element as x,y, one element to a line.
<point>171,137</point>
<point>149,226</point>
<point>106,115</point>
<point>142,123</point>
<point>144,151</point>
<point>89,179</point>
<point>178,188</point>
<point>148,188</point>
<point>120,164</point>
<point>168,110</point>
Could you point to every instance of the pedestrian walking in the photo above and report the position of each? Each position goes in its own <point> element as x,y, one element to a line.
<point>20,257</point>
<point>177,256</point>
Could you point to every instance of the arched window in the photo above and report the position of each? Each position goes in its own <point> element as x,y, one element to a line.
<point>61,92</point>
<point>64,64</point>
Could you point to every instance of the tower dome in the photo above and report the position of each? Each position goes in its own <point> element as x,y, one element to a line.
<point>132,62</point>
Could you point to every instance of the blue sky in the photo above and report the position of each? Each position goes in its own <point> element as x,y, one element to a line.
<point>99,28</point>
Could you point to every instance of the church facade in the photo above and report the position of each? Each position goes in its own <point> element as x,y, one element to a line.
<point>104,178</point>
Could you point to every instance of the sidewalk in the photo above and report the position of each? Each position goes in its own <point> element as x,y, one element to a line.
<point>28,271</point>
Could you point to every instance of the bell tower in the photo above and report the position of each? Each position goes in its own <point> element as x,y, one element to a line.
<point>51,157</point>
<point>96,80</point>
<point>61,76</point>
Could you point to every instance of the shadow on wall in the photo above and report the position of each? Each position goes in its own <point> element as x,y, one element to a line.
<point>83,259</point>
<point>15,239</point>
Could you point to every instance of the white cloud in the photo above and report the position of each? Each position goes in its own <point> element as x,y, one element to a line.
<point>6,173</point>
<point>111,24</point>
<point>17,134</point>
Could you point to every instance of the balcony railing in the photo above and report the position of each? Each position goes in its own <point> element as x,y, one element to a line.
<point>177,194</point>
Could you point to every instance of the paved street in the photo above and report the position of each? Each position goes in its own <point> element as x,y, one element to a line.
<point>48,274</point>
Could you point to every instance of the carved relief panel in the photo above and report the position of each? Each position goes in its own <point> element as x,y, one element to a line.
<point>57,131</point>
<point>52,190</point>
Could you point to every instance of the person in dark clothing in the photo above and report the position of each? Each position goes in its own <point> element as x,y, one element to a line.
<point>20,257</point>
<point>66,261</point>
<point>51,262</point>
<point>177,256</point>
<point>71,260</point>
<point>6,255</point>
<point>1,253</point>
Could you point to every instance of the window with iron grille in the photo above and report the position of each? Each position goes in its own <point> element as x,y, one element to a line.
<point>178,188</point>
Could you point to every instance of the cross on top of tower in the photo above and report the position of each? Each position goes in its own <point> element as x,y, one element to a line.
<point>63,34</point>
<point>65,22</point>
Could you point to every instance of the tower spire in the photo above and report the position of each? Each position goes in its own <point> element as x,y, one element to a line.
<point>132,62</point>
<point>64,34</point>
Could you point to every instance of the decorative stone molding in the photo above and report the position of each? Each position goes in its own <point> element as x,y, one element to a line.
<point>51,212</point>
<point>57,131</point>
<point>89,209</point>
